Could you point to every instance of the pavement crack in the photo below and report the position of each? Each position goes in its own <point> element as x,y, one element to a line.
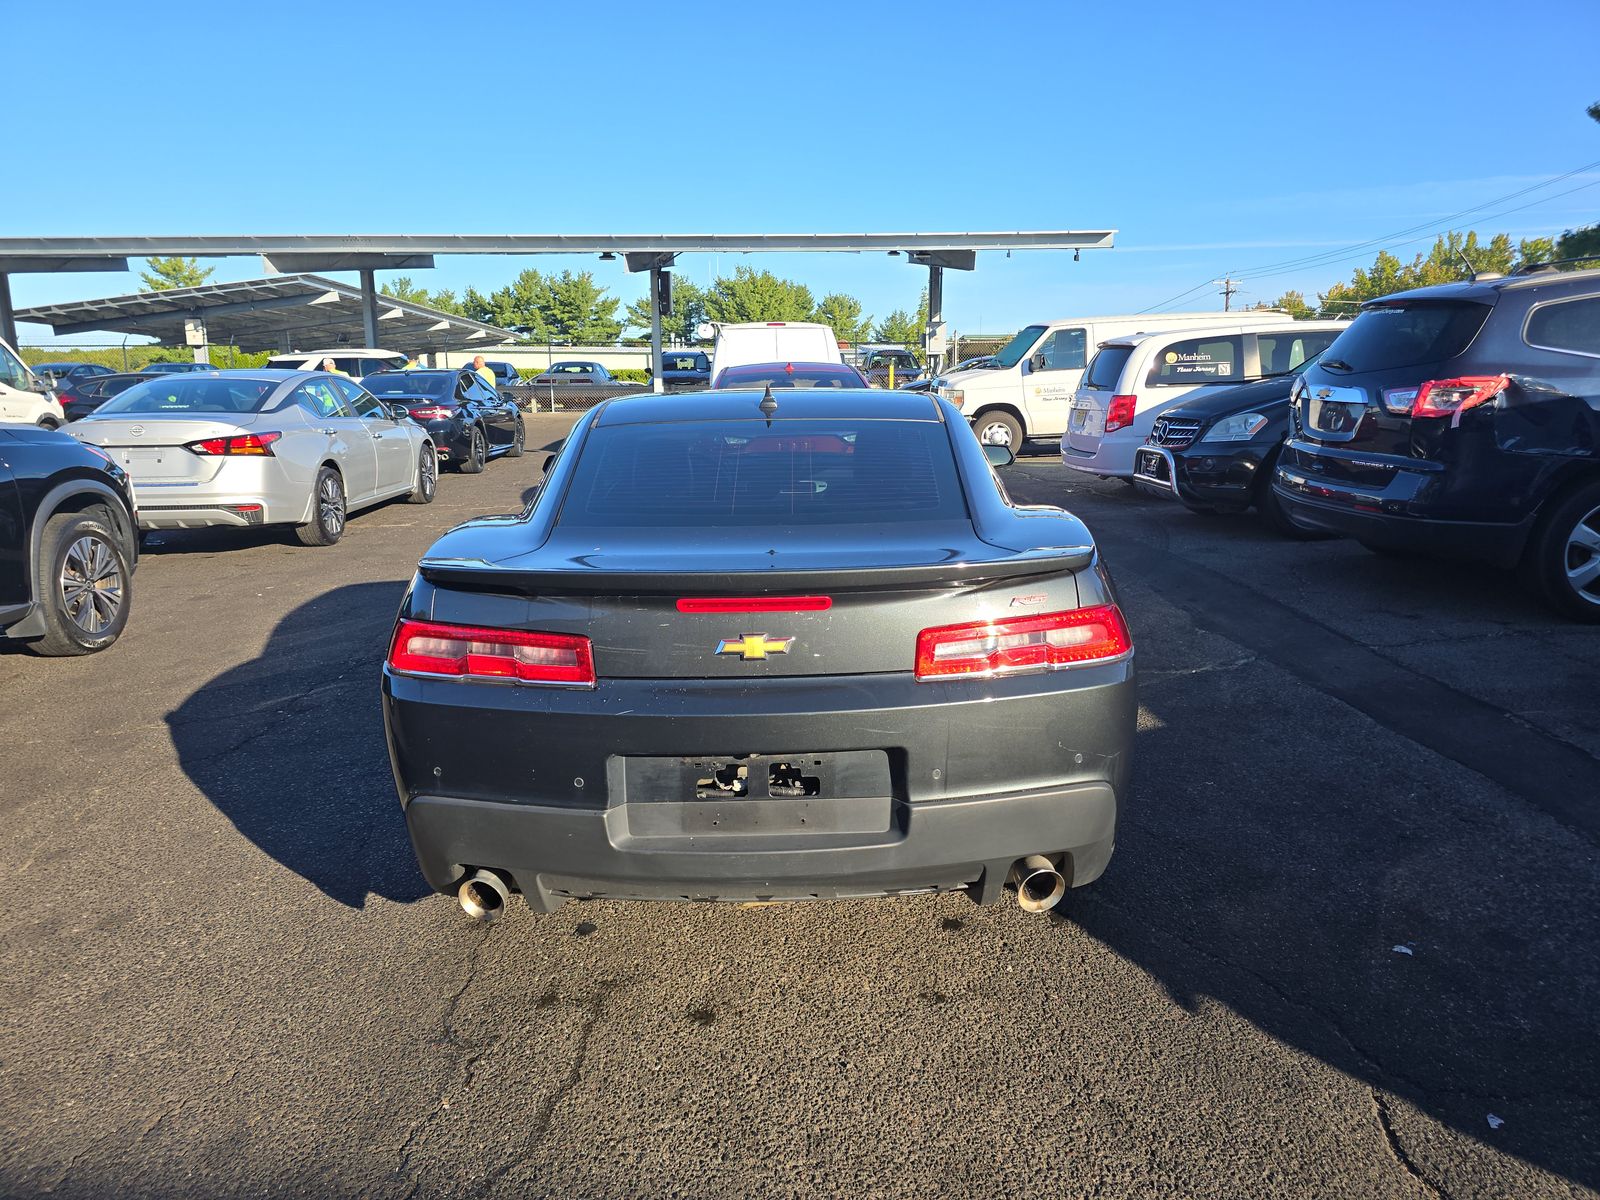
<point>594,1011</point>
<point>470,1053</point>
<point>1231,665</point>
<point>1380,1111</point>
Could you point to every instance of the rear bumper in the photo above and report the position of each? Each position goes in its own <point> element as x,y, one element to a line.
<point>535,782</point>
<point>1113,457</point>
<point>554,854</point>
<point>1390,516</point>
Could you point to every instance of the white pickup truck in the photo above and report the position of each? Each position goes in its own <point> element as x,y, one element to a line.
<point>1028,392</point>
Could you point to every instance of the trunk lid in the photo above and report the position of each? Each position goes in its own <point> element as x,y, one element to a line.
<point>841,608</point>
<point>150,446</point>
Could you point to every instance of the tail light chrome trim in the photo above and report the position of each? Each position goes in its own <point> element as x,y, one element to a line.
<point>498,655</point>
<point>1048,642</point>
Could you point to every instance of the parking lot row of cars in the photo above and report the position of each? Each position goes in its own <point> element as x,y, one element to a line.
<point>182,450</point>
<point>1458,420</point>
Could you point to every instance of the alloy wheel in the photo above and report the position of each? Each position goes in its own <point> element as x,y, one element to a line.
<point>330,504</point>
<point>91,584</point>
<point>430,472</point>
<point>1582,557</point>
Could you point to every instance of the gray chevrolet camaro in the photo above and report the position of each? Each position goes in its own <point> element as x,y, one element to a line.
<point>746,648</point>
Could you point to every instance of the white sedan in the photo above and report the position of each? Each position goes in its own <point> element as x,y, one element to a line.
<point>248,448</point>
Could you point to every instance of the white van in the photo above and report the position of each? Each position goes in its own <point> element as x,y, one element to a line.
<point>771,342</point>
<point>355,363</point>
<point>1028,392</point>
<point>24,400</point>
<point>1133,380</point>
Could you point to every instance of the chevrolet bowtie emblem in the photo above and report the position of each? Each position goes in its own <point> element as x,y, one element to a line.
<point>754,645</point>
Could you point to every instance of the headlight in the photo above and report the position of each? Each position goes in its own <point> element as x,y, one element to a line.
<point>1240,427</point>
<point>958,397</point>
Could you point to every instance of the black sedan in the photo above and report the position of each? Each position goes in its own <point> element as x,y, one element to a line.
<point>80,397</point>
<point>1216,453</point>
<point>469,421</point>
<point>68,543</point>
<point>752,646</point>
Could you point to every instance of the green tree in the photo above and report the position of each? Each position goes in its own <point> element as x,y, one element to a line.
<point>402,288</point>
<point>843,314</point>
<point>576,309</point>
<point>751,295</point>
<point>906,329</point>
<point>1292,303</point>
<point>688,310</point>
<point>175,272</point>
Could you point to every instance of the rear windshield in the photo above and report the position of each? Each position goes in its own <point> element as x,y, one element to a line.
<point>788,377</point>
<point>684,362</point>
<point>1106,367</point>
<point>179,394</point>
<point>407,383</point>
<point>1405,335</point>
<point>739,474</point>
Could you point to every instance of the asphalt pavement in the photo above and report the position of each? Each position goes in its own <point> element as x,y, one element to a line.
<point>1347,945</point>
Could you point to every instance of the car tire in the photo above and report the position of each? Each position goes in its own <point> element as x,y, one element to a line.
<point>517,443</point>
<point>85,584</point>
<point>49,423</point>
<point>1563,557</point>
<point>328,511</point>
<point>1272,513</point>
<point>996,427</point>
<point>427,477</point>
<point>477,453</point>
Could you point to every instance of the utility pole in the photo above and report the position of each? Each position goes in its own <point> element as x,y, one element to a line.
<point>1228,289</point>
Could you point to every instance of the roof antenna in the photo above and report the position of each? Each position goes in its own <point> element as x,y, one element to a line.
<point>768,405</point>
<point>1472,271</point>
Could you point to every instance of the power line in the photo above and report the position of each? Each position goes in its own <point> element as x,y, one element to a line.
<point>1329,257</point>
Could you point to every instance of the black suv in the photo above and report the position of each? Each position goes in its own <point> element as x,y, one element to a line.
<point>1462,420</point>
<point>69,543</point>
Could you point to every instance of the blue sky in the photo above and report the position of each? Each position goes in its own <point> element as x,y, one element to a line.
<point>1214,137</point>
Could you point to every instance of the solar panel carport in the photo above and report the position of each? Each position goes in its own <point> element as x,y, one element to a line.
<point>285,312</point>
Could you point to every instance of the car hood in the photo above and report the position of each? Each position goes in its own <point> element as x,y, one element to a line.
<point>1212,403</point>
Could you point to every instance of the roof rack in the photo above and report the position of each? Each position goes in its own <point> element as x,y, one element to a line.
<point>1553,263</point>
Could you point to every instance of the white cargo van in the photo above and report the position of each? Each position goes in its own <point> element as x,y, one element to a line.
<point>773,341</point>
<point>24,400</point>
<point>1132,380</point>
<point>356,363</point>
<point>1028,392</point>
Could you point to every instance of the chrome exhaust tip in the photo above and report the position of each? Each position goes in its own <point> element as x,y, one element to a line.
<point>1037,883</point>
<point>483,895</point>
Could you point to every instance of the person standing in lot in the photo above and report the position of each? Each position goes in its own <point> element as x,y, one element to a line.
<point>332,368</point>
<point>415,363</point>
<point>483,370</point>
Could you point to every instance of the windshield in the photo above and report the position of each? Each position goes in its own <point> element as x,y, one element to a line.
<point>789,376</point>
<point>1106,367</point>
<point>1405,335</point>
<point>684,362</point>
<point>1017,348</point>
<point>179,395</point>
<point>739,474</point>
<point>407,383</point>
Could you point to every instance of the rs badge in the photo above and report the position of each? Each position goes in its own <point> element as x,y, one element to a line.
<point>754,645</point>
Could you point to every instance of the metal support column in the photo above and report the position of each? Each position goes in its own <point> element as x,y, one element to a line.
<point>655,332</point>
<point>935,311</point>
<point>8,318</point>
<point>369,308</point>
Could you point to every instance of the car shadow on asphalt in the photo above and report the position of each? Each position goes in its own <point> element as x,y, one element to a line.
<point>290,747</point>
<point>1365,905</point>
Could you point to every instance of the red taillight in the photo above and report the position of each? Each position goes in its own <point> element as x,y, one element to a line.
<point>1063,639</point>
<point>255,444</point>
<point>1449,397</point>
<point>754,604</point>
<point>436,412</point>
<point>422,647</point>
<point>1120,414</point>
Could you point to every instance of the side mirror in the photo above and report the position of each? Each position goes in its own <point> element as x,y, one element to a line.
<point>1037,361</point>
<point>999,456</point>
